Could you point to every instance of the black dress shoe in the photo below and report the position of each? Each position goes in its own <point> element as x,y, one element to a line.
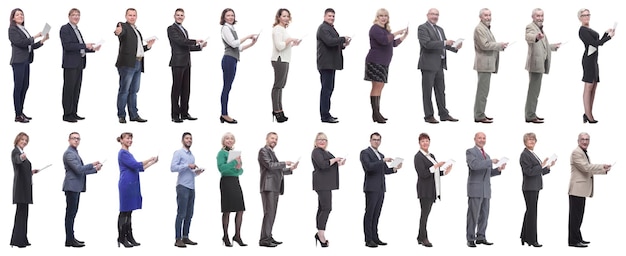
<point>535,121</point>
<point>78,241</point>
<point>330,120</point>
<point>484,120</point>
<point>190,118</point>
<point>73,243</point>
<point>471,244</point>
<point>231,121</point>
<point>371,244</point>
<point>267,244</point>
<point>122,120</point>
<point>21,119</point>
<point>186,240</point>
<point>535,244</point>
<point>378,242</point>
<point>77,117</point>
<point>491,118</point>
<point>27,117</point>
<point>276,242</point>
<point>426,243</point>
<point>138,119</point>
<point>450,118</point>
<point>177,120</point>
<point>69,120</point>
<point>540,118</point>
<point>585,242</point>
<point>483,241</point>
<point>431,120</point>
<point>579,245</point>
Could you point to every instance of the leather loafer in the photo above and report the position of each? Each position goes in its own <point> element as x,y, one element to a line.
<point>330,120</point>
<point>122,120</point>
<point>484,120</point>
<point>73,243</point>
<point>450,118</point>
<point>471,244</point>
<point>188,241</point>
<point>138,119</point>
<point>378,242</point>
<point>371,244</point>
<point>535,121</point>
<point>190,118</point>
<point>483,241</point>
<point>579,245</point>
<point>431,120</point>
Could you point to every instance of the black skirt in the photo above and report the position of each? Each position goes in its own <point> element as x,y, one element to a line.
<point>376,72</point>
<point>232,196</point>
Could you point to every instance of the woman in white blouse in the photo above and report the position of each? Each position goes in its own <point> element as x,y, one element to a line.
<point>232,46</point>
<point>281,55</point>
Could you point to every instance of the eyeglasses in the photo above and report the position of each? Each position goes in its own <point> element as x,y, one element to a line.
<point>585,15</point>
<point>375,139</point>
<point>322,140</point>
<point>75,138</point>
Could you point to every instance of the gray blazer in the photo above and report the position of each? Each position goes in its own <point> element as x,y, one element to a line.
<point>532,171</point>
<point>272,171</point>
<point>480,172</point>
<point>431,48</point>
<point>539,51</point>
<point>75,171</point>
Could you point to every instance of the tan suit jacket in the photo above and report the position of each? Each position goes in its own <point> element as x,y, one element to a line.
<point>539,51</point>
<point>581,179</point>
<point>487,50</point>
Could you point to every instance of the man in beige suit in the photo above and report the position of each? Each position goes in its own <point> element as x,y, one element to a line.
<point>581,187</point>
<point>485,63</point>
<point>537,63</point>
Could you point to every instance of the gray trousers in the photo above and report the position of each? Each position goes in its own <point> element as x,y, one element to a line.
<point>434,81</point>
<point>477,216</point>
<point>534,87</point>
<point>270,204</point>
<point>281,69</point>
<point>482,91</point>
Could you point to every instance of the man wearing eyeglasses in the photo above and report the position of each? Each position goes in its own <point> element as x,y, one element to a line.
<point>75,182</point>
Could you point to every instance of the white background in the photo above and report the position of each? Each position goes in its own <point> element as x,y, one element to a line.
<point>560,103</point>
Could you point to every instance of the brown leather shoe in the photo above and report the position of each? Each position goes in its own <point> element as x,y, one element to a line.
<point>431,120</point>
<point>491,118</point>
<point>540,118</point>
<point>484,120</point>
<point>450,118</point>
<point>535,121</point>
<point>180,243</point>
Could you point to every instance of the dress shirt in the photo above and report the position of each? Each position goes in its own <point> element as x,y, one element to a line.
<point>180,163</point>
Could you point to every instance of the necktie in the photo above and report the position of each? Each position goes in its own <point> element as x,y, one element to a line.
<point>183,29</point>
<point>483,151</point>
<point>443,51</point>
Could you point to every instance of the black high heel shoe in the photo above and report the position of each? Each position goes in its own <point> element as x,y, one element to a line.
<point>226,241</point>
<point>317,239</point>
<point>239,242</point>
<point>279,117</point>
<point>231,121</point>
<point>586,119</point>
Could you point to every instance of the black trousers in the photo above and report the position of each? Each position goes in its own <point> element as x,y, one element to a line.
<point>324,206</point>
<point>529,226</point>
<point>373,206</point>
<point>72,82</point>
<point>426,204</point>
<point>181,79</point>
<point>20,225</point>
<point>576,213</point>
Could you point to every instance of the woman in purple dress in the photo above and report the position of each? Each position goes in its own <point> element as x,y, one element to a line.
<point>377,61</point>
<point>130,189</point>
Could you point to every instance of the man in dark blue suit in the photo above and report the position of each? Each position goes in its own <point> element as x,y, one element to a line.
<point>74,60</point>
<point>75,182</point>
<point>375,167</point>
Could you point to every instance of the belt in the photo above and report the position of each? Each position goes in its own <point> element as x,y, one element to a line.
<point>139,58</point>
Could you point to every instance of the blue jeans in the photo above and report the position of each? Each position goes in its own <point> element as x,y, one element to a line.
<point>185,198</point>
<point>129,86</point>
<point>229,68</point>
<point>327,78</point>
<point>72,199</point>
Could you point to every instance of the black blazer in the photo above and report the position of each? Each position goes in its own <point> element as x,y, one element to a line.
<point>19,46</point>
<point>181,46</point>
<point>329,46</point>
<point>425,179</point>
<point>532,172</point>
<point>431,48</point>
<point>127,54</point>
<point>375,170</point>
<point>325,176</point>
<point>71,48</point>
<point>22,179</point>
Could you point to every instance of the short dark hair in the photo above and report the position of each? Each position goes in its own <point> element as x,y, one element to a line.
<point>223,17</point>
<point>73,10</point>
<point>130,9</point>
<point>179,10</point>
<point>185,134</point>
<point>375,134</point>
<point>329,10</point>
<point>423,136</point>
<point>71,133</point>
<point>11,21</point>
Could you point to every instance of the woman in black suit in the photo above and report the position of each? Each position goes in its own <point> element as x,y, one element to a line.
<point>591,75</point>
<point>22,47</point>
<point>532,171</point>
<point>325,180</point>
<point>22,190</point>
<point>428,183</point>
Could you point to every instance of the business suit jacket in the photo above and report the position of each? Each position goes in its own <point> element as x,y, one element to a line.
<point>71,48</point>
<point>480,172</point>
<point>532,172</point>
<point>487,50</point>
<point>127,53</point>
<point>75,171</point>
<point>22,178</point>
<point>19,46</point>
<point>181,46</point>
<point>581,179</point>
<point>375,170</point>
<point>329,47</point>
<point>425,179</point>
<point>272,171</point>
<point>325,175</point>
<point>432,47</point>
<point>539,51</point>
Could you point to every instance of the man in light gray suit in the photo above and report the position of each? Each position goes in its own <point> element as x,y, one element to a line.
<point>479,190</point>
<point>537,63</point>
<point>75,182</point>
<point>486,62</point>
<point>432,62</point>
<point>272,185</point>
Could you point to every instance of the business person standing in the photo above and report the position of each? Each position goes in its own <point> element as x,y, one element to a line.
<point>23,46</point>
<point>486,62</point>
<point>181,66</point>
<point>130,65</point>
<point>325,180</point>
<point>591,72</point>
<point>272,186</point>
<point>429,174</point>
<point>281,55</point>
<point>22,190</point>
<point>432,62</point>
<point>375,168</point>
<point>581,187</point>
<point>537,63</point>
<point>479,190</point>
<point>75,51</point>
<point>329,60</point>
<point>74,183</point>
<point>533,170</point>
<point>230,189</point>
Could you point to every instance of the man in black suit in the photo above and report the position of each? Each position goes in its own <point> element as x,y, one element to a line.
<point>272,185</point>
<point>432,62</point>
<point>130,65</point>
<point>74,61</point>
<point>181,66</point>
<point>375,168</point>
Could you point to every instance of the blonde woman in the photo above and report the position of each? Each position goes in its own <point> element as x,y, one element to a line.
<point>230,189</point>
<point>281,55</point>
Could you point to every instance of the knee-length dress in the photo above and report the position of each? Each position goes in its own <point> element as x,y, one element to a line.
<point>591,39</point>
<point>129,185</point>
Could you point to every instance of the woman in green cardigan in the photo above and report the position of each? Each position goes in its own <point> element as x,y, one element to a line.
<point>230,190</point>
